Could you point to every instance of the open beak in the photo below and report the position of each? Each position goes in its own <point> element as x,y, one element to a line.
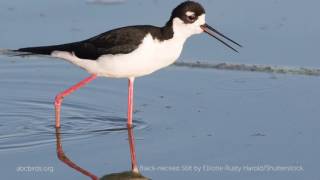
<point>213,32</point>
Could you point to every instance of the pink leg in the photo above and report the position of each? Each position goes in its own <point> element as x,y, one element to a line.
<point>134,165</point>
<point>60,96</point>
<point>130,100</point>
<point>130,126</point>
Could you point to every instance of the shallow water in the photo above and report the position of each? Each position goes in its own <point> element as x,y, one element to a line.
<point>189,122</point>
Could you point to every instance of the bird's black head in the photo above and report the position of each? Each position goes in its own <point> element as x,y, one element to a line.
<point>188,19</point>
<point>188,12</point>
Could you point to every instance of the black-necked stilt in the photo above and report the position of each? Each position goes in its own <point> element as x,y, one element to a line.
<point>131,52</point>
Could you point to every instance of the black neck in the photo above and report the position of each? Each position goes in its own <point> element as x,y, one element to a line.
<point>167,30</point>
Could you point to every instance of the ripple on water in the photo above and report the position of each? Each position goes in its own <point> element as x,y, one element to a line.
<point>29,123</point>
<point>248,84</point>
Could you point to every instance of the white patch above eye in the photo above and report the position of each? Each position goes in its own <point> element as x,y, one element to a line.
<point>189,13</point>
<point>201,19</point>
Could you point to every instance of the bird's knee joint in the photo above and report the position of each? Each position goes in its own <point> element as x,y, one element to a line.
<point>58,100</point>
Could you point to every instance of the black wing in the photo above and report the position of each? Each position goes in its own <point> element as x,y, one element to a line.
<point>119,41</point>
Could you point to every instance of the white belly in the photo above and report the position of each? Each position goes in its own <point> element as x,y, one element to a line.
<point>150,56</point>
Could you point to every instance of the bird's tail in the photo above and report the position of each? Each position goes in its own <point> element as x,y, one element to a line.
<point>10,52</point>
<point>41,50</point>
<point>46,50</point>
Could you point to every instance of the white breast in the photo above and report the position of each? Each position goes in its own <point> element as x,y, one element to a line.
<point>150,56</point>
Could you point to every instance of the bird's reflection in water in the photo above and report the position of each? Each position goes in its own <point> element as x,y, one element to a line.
<point>67,161</point>
<point>134,174</point>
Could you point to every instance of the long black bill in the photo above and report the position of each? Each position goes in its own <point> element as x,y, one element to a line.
<point>213,32</point>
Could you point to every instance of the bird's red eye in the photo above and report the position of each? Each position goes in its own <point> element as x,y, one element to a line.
<point>191,18</point>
